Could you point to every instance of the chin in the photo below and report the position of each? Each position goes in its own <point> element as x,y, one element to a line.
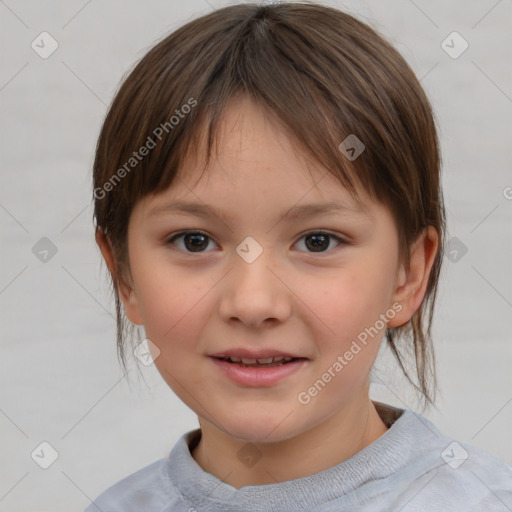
<point>260,428</point>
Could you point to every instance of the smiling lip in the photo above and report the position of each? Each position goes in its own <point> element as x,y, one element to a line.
<point>257,375</point>
<point>253,354</point>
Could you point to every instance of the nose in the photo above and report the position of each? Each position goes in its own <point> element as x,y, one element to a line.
<point>254,293</point>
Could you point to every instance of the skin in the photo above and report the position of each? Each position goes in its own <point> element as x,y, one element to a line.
<point>291,298</point>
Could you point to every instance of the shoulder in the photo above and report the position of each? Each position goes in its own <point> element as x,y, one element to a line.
<point>152,488</point>
<point>448,475</point>
<point>478,474</point>
<point>481,483</point>
<point>142,490</point>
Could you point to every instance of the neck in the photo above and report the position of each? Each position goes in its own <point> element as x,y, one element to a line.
<point>338,438</point>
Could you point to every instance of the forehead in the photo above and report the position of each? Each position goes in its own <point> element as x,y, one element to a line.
<point>256,149</point>
<point>257,165</point>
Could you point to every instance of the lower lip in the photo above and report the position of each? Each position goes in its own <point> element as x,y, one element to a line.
<point>256,376</point>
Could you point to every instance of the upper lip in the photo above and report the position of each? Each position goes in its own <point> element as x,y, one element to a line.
<point>253,354</point>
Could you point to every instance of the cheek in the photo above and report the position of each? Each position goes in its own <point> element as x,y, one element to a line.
<point>348,300</point>
<point>173,315</point>
<point>175,311</point>
<point>170,302</point>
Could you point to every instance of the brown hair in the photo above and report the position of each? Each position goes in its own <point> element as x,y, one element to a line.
<point>325,75</point>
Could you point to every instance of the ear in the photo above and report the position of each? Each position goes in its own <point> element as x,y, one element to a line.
<point>411,284</point>
<point>125,291</point>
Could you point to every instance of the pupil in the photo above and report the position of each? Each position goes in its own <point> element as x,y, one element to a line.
<point>318,242</point>
<point>199,242</point>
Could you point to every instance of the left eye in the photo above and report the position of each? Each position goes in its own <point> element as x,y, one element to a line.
<point>320,241</point>
<point>196,241</point>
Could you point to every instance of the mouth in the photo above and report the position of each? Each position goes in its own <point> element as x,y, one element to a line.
<point>267,362</point>
<point>259,372</point>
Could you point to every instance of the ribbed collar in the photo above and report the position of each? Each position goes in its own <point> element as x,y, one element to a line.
<point>394,450</point>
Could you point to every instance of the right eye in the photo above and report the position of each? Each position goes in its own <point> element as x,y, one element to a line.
<point>192,241</point>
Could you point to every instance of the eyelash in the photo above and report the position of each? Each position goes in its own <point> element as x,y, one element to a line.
<point>180,234</point>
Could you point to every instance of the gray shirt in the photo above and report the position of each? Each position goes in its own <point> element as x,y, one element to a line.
<point>411,468</point>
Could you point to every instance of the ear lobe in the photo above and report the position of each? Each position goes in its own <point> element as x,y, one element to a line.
<point>126,293</point>
<point>131,304</point>
<point>411,284</point>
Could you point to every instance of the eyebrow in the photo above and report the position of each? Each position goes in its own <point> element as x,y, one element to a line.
<point>295,212</point>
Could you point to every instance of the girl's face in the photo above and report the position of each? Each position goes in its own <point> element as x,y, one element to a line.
<point>257,278</point>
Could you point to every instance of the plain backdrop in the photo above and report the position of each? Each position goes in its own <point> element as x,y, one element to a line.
<point>60,379</point>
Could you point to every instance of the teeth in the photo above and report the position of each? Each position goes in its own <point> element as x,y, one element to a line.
<point>265,361</point>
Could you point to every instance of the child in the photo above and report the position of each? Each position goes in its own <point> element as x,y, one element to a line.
<point>268,202</point>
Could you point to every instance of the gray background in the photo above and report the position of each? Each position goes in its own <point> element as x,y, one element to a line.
<point>60,379</point>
